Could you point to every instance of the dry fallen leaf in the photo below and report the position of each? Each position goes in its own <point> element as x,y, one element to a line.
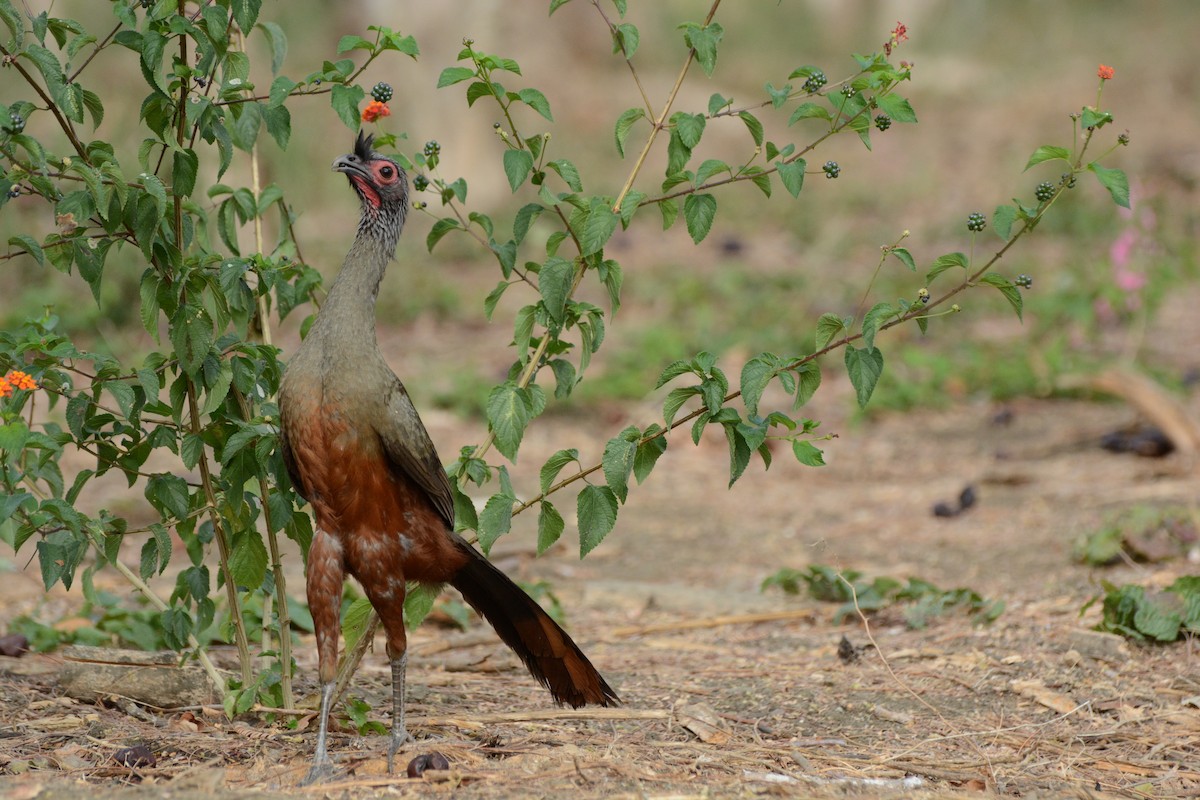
<point>1039,693</point>
<point>700,719</point>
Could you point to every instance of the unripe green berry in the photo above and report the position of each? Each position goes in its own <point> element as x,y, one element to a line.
<point>381,92</point>
<point>883,122</point>
<point>420,183</point>
<point>976,222</point>
<point>16,123</point>
<point>831,168</point>
<point>849,91</point>
<point>432,148</point>
<point>1024,281</point>
<point>815,81</point>
<point>1044,191</point>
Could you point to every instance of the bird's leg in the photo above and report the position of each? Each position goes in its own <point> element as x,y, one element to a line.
<point>322,767</point>
<point>400,734</point>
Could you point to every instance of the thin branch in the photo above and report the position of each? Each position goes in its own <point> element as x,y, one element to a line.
<point>95,50</point>
<point>63,122</point>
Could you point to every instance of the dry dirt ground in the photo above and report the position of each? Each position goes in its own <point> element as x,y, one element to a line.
<point>728,691</point>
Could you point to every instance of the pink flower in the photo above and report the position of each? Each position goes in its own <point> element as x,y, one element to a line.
<point>1105,73</point>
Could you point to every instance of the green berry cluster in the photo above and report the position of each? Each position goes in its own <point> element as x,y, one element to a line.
<point>976,222</point>
<point>815,82</point>
<point>849,91</point>
<point>381,92</point>
<point>883,122</point>
<point>420,183</point>
<point>1024,281</point>
<point>831,168</point>
<point>1068,180</point>
<point>1044,191</point>
<point>432,149</point>
<point>16,123</point>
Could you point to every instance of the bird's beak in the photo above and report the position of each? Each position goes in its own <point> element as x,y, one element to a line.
<point>351,166</point>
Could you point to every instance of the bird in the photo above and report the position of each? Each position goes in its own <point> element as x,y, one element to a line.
<point>355,448</point>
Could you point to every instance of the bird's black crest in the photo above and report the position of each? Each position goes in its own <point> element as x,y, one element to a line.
<point>362,146</point>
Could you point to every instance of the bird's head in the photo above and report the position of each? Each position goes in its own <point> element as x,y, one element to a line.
<point>381,184</point>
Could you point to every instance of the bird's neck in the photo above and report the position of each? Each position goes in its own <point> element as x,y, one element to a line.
<point>347,317</point>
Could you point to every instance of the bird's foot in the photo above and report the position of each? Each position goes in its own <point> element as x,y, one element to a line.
<point>320,772</point>
<point>399,739</point>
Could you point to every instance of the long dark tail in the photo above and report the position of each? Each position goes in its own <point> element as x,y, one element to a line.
<point>544,647</point>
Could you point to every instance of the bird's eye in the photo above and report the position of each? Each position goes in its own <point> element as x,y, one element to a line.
<point>386,172</point>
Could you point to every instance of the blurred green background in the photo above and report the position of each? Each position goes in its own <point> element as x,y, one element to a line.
<point>992,81</point>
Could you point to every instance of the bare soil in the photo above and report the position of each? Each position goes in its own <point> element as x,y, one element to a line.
<point>729,691</point>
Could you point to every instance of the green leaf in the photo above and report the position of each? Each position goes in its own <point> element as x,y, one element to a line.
<point>1002,221</point>
<point>808,454</point>
<point>828,326</point>
<point>554,283</point>
<point>350,42</point>
<point>279,125</point>
<point>878,314</point>
<point>598,227</point>
<point>1048,153</point>
<point>808,380</point>
<point>509,410</point>
<point>778,96</point>
<point>30,246</point>
<point>624,123</point>
<point>278,41</point>
<point>699,211</point>
<point>496,520</point>
<point>626,38</point>
<point>192,336</point>
<point>649,449</point>
<point>864,366</point>
<point>791,173</point>
<point>944,263</point>
<point>756,374</point>
<point>554,465</point>
<point>897,108</point>
<point>1091,118</point>
<point>168,494</point>
<point>440,229</point>
<point>619,454</point>
<point>1010,292</point>
<point>453,75</point>
<point>754,126</point>
<point>183,172</point>
<point>596,514</point>
<point>675,400</point>
<point>567,171</point>
<point>537,101</point>
<point>1115,181</point>
<point>690,128</point>
<point>281,87</point>
<point>905,257</point>
<point>809,111</point>
<point>517,166</point>
<point>345,100</point>
<point>704,41</point>
<point>550,526</point>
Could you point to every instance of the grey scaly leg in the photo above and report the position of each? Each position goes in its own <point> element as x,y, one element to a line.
<point>400,733</point>
<point>322,767</point>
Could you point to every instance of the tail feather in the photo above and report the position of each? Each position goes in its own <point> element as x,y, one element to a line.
<point>544,647</point>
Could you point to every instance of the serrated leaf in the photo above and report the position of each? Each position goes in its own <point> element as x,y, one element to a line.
<point>1002,221</point>
<point>624,123</point>
<point>864,365</point>
<point>554,283</point>
<point>649,449</point>
<point>30,246</point>
<point>185,164</point>
<point>617,462</point>
<point>345,99</point>
<point>809,111</point>
<point>756,375</point>
<point>440,229</point>
<point>791,173</point>
<point>568,172</point>
<point>905,257</point>
<point>944,263</point>
<point>495,520</point>
<point>598,227</point>
<point>453,75</point>
<point>828,326</point>
<point>896,107</point>
<point>689,127</point>
<point>704,41</point>
<point>626,38</point>
<point>1048,153</point>
<point>509,409</point>
<point>537,101</point>
<point>754,126</point>
<point>1115,181</point>
<point>550,526</point>
<point>1010,292</point>
<point>596,515</point>
<point>878,314</point>
<point>807,453</point>
<point>675,400</point>
<point>278,42</point>
<point>808,380</point>
<point>517,166</point>
<point>192,335</point>
<point>698,212</point>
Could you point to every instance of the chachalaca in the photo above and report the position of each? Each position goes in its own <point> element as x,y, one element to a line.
<point>356,449</point>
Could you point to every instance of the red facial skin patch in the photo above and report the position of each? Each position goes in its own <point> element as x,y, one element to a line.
<point>366,190</point>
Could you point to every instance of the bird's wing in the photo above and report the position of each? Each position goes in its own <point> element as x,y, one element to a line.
<point>289,461</point>
<point>411,451</point>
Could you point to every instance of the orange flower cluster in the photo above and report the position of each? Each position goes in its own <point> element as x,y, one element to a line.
<point>15,380</point>
<point>375,110</point>
<point>1105,73</point>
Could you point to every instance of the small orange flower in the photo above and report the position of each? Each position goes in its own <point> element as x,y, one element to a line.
<point>6,388</point>
<point>375,110</point>
<point>1105,73</point>
<point>21,380</point>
